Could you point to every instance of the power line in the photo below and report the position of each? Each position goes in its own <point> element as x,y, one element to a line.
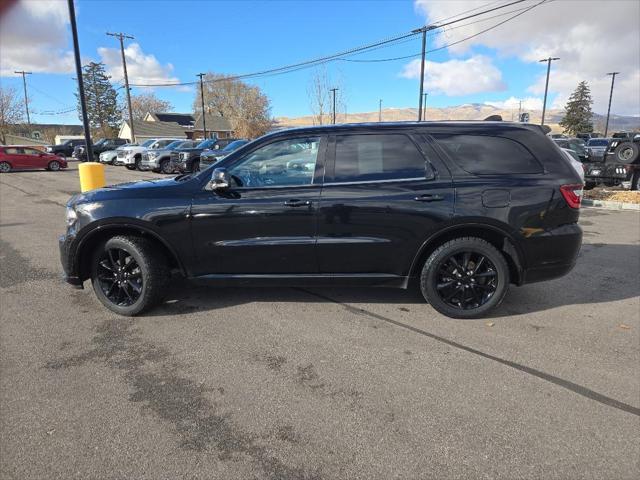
<point>413,55</point>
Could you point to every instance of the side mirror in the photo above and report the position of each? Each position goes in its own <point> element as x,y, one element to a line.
<point>219,180</point>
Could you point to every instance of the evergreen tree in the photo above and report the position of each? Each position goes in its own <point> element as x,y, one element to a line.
<point>578,117</point>
<point>102,101</point>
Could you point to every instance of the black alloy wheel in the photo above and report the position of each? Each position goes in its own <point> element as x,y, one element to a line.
<point>466,280</point>
<point>120,277</point>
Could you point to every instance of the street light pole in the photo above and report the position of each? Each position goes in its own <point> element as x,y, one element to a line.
<point>613,79</point>
<point>204,121</point>
<point>83,102</point>
<point>546,86</point>
<point>333,91</point>
<point>121,37</point>
<point>26,99</point>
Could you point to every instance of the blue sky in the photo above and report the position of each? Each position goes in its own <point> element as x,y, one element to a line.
<point>178,39</point>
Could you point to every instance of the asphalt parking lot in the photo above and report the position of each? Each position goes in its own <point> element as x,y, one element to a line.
<point>298,383</point>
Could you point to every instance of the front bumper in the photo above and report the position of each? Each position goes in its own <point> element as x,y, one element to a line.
<point>70,274</point>
<point>605,173</point>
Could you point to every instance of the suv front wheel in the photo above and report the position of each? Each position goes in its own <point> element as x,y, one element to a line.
<point>465,278</point>
<point>129,274</point>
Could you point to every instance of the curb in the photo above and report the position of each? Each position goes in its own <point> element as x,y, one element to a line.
<point>611,205</point>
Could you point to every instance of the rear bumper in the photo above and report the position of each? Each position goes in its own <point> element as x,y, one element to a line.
<point>552,254</point>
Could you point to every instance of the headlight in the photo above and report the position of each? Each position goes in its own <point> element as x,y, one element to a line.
<point>72,216</point>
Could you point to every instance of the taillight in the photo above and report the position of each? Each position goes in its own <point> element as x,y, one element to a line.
<point>572,194</point>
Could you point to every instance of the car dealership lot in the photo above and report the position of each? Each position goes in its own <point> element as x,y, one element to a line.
<point>313,383</point>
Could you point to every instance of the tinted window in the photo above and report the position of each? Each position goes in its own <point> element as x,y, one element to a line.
<point>377,157</point>
<point>13,151</point>
<point>283,163</point>
<point>485,155</point>
<point>598,143</point>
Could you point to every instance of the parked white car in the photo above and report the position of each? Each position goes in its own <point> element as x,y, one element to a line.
<point>131,156</point>
<point>110,155</point>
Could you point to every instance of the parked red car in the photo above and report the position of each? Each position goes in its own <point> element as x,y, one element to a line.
<point>27,158</point>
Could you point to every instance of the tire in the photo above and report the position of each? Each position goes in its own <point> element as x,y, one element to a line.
<point>130,167</point>
<point>589,185</point>
<point>195,166</point>
<point>137,164</point>
<point>144,275</point>
<point>487,285</point>
<point>54,166</point>
<point>626,153</point>
<point>5,167</point>
<point>165,166</point>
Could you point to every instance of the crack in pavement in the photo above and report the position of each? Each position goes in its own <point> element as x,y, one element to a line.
<point>579,389</point>
<point>158,387</point>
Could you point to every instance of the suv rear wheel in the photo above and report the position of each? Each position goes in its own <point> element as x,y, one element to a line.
<point>465,278</point>
<point>129,275</point>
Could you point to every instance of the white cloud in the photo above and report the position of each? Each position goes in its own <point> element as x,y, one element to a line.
<point>529,103</point>
<point>33,37</point>
<point>458,77</point>
<point>590,37</point>
<point>142,68</point>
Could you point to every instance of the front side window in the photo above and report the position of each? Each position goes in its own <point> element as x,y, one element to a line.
<point>489,155</point>
<point>289,162</point>
<point>377,157</point>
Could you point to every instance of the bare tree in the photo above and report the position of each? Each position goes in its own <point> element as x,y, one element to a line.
<point>11,111</point>
<point>321,99</point>
<point>145,103</point>
<point>246,106</point>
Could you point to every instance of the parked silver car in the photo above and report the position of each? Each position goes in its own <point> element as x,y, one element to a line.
<point>110,155</point>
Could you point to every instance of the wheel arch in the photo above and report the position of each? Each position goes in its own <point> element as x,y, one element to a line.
<point>495,235</point>
<point>102,233</point>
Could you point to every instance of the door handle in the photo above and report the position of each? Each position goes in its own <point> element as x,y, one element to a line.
<point>297,203</point>
<point>429,198</point>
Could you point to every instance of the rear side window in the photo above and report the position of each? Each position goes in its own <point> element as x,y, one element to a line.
<point>488,155</point>
<point>377,157</point>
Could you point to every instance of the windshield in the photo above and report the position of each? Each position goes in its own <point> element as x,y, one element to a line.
<point>148,143</point>
<point>234,145</point>
<point>598,142</point>
<point>175,144</point>
<point>207,143</point>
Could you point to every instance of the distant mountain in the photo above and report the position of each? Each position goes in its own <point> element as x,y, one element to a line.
<point>474,111</point>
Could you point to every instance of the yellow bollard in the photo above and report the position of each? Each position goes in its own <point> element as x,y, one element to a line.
<point>91,176</point>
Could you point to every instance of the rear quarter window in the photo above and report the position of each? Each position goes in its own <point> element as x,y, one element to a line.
<point>488,155</point>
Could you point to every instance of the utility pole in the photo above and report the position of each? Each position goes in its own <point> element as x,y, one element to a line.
<point>380,110</point>
<point>26,99</point>
<point>204,122</point>
<point>424,31</point>
<point>613,79</point>
<point>424,108</point>
<point>83,102</point>
<point>333,91</point>
<point>121,37</point>
<point>546,86</point>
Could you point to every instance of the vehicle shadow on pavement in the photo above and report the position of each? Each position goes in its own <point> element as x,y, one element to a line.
<point>603,273</point>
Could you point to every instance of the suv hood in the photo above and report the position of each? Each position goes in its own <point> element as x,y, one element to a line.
<point>140,188</point>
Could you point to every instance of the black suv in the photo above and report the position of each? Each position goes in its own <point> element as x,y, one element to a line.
<point>465,208</point>
<point>189,158</point>
<point>65,149</point>
<point>102,145</point>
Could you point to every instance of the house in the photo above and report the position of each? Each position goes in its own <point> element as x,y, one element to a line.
<point>216,125</point>
<point>155,129</point>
